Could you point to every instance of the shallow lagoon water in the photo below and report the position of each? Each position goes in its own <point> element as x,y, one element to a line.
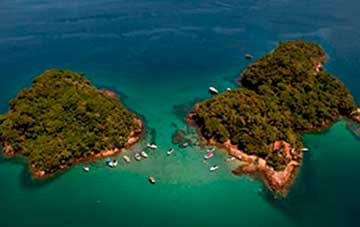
<point>160,57</point>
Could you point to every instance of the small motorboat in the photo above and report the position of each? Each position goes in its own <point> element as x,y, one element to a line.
<point>229,159</point>
<point>305,149</point>
<point>209,155</point>
<point>86,168</point>
<point>228,89</point>
<point>184,145</point>
<point>112,163</point>
<point>213,91</point>
<point>170,151</point>
<point>152,146</point>
<point>214,168</point>
<point>211,149</point>
<point>126,158</point>
<point>248,56</point>
<point>152,180</point>
<point>144,154</point>
<point>137,157</point>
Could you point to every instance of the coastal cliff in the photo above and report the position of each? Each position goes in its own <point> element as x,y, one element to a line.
<point>282,95</point>
<point>63,120</point>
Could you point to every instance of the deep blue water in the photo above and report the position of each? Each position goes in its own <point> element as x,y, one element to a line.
<point>160,56</point>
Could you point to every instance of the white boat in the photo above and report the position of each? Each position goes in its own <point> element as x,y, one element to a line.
<point>126,158</point>
<point>305,149</point>
<point>209,155</point>
<point>86,168</point>
<point>184,145</point>
<point>152,146</point>
<point>137,157</point>
<point>214,168</point>
<point>211,149</point>
<point>229,159</point>
<point>112,163</point>
<point>228,89</point>
<point>170,151</point>
<point>213,91</point>
<point>248,56</point>
<point>152,180</point>
<point>144,154</point>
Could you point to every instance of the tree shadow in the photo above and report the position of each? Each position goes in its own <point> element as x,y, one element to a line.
<point>27,181</point>
<point>151,134</point>
<point>182,110</point>
<point>301,197</point>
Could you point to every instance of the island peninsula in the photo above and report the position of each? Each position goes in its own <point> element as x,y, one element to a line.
<point>281,96</point>
<point>63,120</point>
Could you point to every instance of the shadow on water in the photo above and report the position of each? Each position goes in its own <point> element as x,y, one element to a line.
<point>302,197</point>
<point>152,134</point>
<point>233,79</point>
<point>12,160</point>
<point>28,182</point>
<point>182,110</point>
<point>173,124</point>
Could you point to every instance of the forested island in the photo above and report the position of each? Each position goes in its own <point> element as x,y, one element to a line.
<point>281,96</point>
<point>62,120</point>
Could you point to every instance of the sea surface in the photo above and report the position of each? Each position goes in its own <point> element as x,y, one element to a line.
<point>160,56</point>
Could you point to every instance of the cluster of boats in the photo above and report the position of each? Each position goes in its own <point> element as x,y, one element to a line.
<point>210,153</point>
<point>140,155</point>
<point>215,91</point>
<point>112,163</point>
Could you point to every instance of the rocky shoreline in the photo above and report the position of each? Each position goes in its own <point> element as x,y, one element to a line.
<point>277,181</point>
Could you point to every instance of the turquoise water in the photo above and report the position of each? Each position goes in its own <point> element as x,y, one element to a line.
<point>160,56</point>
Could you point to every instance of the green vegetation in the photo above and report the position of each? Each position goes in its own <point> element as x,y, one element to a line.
<point>63,119</point>
<point>282,95</point>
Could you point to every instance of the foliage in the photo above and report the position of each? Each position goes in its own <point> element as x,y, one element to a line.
<point>63,118</point>
<point>281,95</point>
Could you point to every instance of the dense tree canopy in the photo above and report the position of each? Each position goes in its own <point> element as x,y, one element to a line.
<point>282,95</point>
<point>63,118</point>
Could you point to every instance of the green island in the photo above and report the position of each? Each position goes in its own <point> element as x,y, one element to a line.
<point>282,95</point>
<point>62,120</point>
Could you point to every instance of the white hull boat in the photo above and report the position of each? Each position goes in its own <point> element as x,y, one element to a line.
<point>126,158</point>
<point>137,157</point>
<point>214,168</point>
<point>152,180</point>
<point>208,155</point>
<point>152,146</point>
<point>213,91</point>
<point>230,159</point>
<point>144,154</point>
<point>211,149</point>
<point>170,151</point>
<point>86,168</point>
<point>112,163</point>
